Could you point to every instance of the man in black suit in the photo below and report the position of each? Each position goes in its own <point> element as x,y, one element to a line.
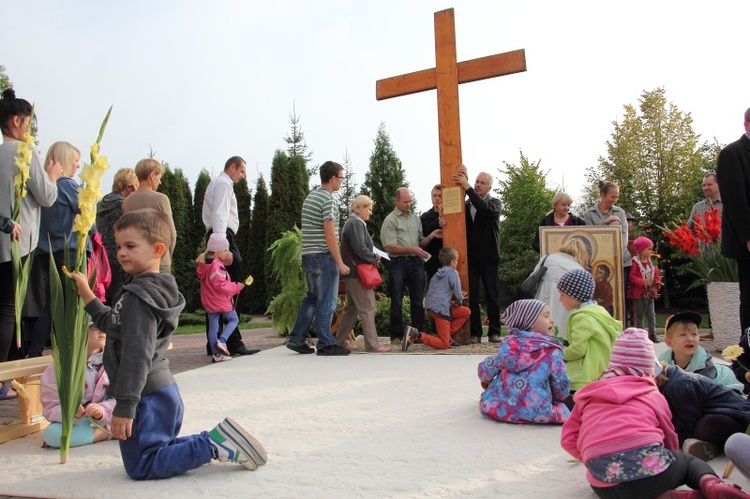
<point>483,247</point>
<point>733,172</point>
<point>432,220</point>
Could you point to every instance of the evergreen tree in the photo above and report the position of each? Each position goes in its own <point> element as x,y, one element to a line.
<point>288,192</point>
<point>244,233</point>
<point>345,196</point>
<point>4,79</point>
<point>384,176</point>
<point>525,199</point>
<point>296,146</point>
<point>256,250</point>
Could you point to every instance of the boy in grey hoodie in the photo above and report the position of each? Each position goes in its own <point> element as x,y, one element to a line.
<point>148,412</point>
<point>443,303</point>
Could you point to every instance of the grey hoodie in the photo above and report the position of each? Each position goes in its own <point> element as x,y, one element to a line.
<point>444,285</point>
<point>138,328</point>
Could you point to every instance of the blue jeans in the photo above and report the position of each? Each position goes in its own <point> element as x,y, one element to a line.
<point>403,273</point>
<point>643,307</point>
<point>322,289</point>
<point>232,321</point>
<point>154,450</point>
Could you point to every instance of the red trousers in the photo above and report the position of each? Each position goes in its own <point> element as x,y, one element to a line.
<point>446,328</point>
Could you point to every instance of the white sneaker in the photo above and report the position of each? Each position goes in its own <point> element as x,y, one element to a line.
<point>231,443</point>
<point>220,358</point>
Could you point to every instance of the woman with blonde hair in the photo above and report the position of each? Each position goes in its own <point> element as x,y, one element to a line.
<point>559,216</point>
<point>357,247</point>
<point>572,255</point>
<point>55,239</point>
<point>108,212</point>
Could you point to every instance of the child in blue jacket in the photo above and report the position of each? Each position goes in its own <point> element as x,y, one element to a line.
<point>525,382</point>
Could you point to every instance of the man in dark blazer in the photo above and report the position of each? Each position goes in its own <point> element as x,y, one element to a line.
<point>483,247</point>
<point>733,173</point>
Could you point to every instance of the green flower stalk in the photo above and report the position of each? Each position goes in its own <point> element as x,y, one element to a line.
<point>21,268</point>
<point>69,319</point>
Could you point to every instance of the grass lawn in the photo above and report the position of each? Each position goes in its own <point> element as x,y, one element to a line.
<point>201,328</point>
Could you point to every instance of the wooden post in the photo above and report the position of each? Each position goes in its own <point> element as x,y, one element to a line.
<point>445,77</point>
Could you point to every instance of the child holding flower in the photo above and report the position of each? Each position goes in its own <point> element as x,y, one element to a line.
<point>621,429</point>
<point>645,283</point>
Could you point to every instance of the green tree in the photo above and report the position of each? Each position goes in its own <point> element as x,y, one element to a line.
<point>176,187</point>
<point>296,146</point>
<point>526,198</point>
<point>198,230</point>
<point>244,232</point>
<point>384,176</point>
<point>256,250</point>
<point>288,192</point>
<point>345,196</point>
<point>4,79</point>
<point>655,156</point>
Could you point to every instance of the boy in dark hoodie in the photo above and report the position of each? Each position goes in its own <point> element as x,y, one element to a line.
<point>148,412</point>
<point>443,303</point>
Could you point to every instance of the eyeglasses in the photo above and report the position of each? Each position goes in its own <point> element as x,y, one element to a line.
<point>339,177</point>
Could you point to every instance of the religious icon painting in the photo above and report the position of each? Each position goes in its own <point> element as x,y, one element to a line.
<point>604,260</point>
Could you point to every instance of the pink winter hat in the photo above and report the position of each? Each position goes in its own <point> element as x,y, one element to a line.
<point>217,242</point>
<point>641,243</point>
<point>633,349</point>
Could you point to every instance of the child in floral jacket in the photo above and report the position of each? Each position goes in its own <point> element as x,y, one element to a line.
<point>621,429</point>
<point>525,382</point>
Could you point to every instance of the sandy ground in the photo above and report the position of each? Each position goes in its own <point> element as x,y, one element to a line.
<point>360,426</point>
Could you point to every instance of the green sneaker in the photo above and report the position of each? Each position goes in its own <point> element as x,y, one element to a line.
<point>231,443</point>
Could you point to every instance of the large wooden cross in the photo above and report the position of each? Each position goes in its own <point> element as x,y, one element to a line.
<point>445,77</point>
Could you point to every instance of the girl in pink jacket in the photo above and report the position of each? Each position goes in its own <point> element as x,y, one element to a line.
<point>621,429</point>
<point>95,411</point>
<point>217,291</point>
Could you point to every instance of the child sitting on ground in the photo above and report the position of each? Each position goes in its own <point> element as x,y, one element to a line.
<point>704,413</point>
<point>525,382</point>
<point>645,283</point>
<point>684,350</point>
<point>443,303</point>
<point>138,327</point>
<point>620,429</point>
<point>95,412</point>
<point>591,330</point>
<point>217,290</point>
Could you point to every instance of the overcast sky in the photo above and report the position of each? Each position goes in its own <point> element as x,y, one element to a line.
<point>200,81</point>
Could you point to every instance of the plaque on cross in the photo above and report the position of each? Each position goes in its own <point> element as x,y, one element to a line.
<point>445,78</point>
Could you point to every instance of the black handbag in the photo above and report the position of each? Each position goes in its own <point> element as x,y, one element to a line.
<point>531,284</point>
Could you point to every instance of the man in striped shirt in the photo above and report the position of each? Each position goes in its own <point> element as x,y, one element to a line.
<point>322,263</point>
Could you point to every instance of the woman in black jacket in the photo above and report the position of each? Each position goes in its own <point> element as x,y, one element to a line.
<point>558,216</point>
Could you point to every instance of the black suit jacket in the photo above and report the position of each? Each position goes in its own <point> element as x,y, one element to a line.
<point>483,232</point>
<point>733,174</point>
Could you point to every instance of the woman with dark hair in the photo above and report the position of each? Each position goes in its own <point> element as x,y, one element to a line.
<point>559,216</point>
<point>15,115</point>
<point>606,213</point>
<point>108,212</point>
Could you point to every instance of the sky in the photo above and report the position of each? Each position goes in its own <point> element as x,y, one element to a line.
<point>198,82</point>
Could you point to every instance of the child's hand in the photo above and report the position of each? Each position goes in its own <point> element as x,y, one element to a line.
<point>121,428</point>
<point>82,283</point>
<point>464,294</point>
<point>94,411</point>
<point>80,412</point>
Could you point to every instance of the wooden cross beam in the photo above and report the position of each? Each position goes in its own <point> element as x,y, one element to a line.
<point>445,77</point>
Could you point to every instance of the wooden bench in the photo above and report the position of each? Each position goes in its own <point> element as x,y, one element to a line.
<point>27,372</point>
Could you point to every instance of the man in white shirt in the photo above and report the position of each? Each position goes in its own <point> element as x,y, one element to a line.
<point>220,215</point>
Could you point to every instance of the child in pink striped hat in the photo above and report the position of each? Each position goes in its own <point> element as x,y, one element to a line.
<point>621,429</point>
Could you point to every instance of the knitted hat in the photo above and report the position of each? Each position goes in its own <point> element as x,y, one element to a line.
<point>521,314</point>
<point>633,349</point>
<point>578,284</point>
<point>217,242</point>
<point>641,243</point>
